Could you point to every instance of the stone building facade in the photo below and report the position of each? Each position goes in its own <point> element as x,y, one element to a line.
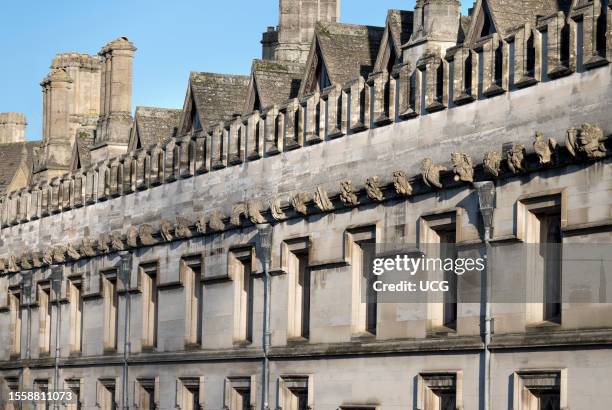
<point>375,135</point>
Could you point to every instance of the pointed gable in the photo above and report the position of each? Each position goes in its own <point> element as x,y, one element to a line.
<point>153,125</point>
<point>398,29</point>
<point>340,53</point>
<point>16,160</point>
<point>272,82</point>
<point>212,98</point>
<point>499,16</point>
<point>81,151</point>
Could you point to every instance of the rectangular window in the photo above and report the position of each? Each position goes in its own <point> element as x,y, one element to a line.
<point>438,237</point>
<point>540,390</point>
<point>191,272</point>
<point>362,248</point>
<point>295,392</point>
<point>239,396</point>
<point>111,311</point>
<point>145,394</point>
<point>241,266</point>
<point>44,318</point>
<point>42,386</point>
<point>106,394</point>
<point>76,315</point>
<point>148,275</point>
<point>190,394</point>
<point>12,385</point>
<point>298,279</point>
<point>74,386</point>
<point>543,239</point>
<point>439,391</point>
<point>15,309</point>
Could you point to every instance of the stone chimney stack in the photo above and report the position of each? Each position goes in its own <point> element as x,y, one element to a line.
<point>114,125</point>
<point>296,28</point>
<point>56,150</point>
<point>12,127</point>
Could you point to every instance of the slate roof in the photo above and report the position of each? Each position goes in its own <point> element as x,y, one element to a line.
<point>153,125</point>
<point>274,81</point>
<point>12,156</point>
<point>217,97</point>
<point>82,151</point>
<point>400,27</point>
<point>348,50</point>
<point>509,14</point>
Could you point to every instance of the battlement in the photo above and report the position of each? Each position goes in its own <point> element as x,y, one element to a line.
<point>74,59</point>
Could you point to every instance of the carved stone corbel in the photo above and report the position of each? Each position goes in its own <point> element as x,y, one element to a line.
<point>238,211</point>
<point>104,243</point>
<point>321,199</point>
<point>299,201</point>
<point>87,248</point>
<point>132,237</point>
<point>182,229</point>
<point>277,210</point>
<point>463,167</point>
<point>36,262</point>
<point>165,230</point>
<point>588,141</point>
<point>216,220</point>
<point>145,233</point>
<point>254,210</point>
<point>516,159</point>
<point>401,183</point>
<point>431,173</point>
<point>116,241</point>
<point>72,253</point>
<point>545,149</point>
<point>348,194</point>
<point>492,163</point>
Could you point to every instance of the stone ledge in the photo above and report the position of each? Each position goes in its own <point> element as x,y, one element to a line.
<point>441,345</point>
<point>599,337</point>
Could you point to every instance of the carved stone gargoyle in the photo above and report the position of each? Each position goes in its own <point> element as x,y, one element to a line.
<point>25,262</point>
<point>276,210</point>
<point>165,230</point>
<point>59,254</point>
<point>321,199</point>
<point>348,194</point>
<point>516,159</point>
<point>463,166</point>
<point>182,229</point>
<point>12,264</point>
<point>216,220</point>
<point>145,233</point>
<point>492,163</point>
<point>87,248</point>
<point>373,190</point>
<point>545,149</point>
<point>588,141</point>
<point>116,241</point>
<point>299,203</point>
<point>104,243</point>
<point>132,237</point>
<point>401,183</point>
<point>36,261</point>
<point>72,253</point>
<point>201,224</point>
<point>47,257</point>
<point>431,173</point>
<point>238,210</point>
<point>254,209</point>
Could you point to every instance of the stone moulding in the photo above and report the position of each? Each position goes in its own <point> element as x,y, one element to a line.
<point>588,144</point>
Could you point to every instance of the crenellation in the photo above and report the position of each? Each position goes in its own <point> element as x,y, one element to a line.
<point>559,61</point>
<point>332,98</point>
<point>271,125</point>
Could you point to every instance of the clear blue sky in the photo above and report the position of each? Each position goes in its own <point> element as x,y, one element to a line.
<point>173,37</point>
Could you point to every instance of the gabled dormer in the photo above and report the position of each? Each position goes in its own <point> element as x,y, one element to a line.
<point>482,24</point>
<point>272,82</point>
<point>398,29</point>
